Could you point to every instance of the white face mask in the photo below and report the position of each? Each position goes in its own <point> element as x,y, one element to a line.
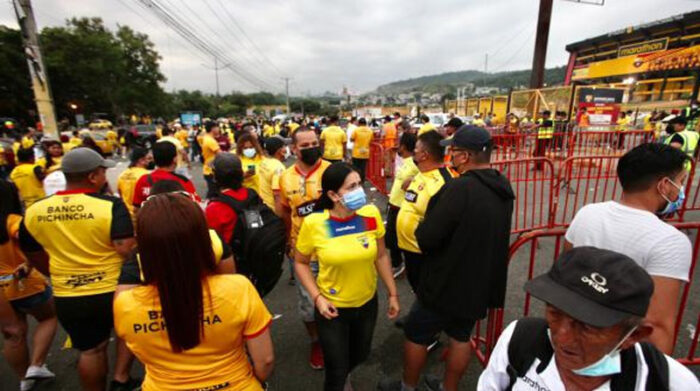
<point>287,153</point>
<point>249,152</point>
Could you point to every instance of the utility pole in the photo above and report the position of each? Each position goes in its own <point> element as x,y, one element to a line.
<point>216,72</point>
<point>538,60</point>
<point>40,80</point>
<point>286,88</point>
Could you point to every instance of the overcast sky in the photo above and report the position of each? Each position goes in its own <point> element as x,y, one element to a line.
<point>327,44</point>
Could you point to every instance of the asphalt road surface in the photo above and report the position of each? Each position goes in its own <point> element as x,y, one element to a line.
<point>291,343</point>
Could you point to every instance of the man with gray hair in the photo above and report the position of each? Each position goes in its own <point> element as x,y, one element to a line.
<point>589,340</point>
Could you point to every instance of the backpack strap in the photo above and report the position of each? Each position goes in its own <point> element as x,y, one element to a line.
<point>657,376</point>
<point>529,341</point>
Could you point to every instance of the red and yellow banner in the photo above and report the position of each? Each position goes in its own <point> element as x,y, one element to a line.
<point>681,58</point>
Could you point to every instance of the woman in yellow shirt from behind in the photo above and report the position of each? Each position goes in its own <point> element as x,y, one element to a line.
<point>191,327</point>
<point>347,236</point>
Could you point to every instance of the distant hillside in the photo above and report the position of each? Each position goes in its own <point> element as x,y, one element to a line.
<point>448,82</point>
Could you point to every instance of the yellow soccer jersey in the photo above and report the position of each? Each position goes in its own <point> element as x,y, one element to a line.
<point>209,150</point>
<point>426,128</point>
<point>361,137</point>
<point>346,250</point>
<point>299,192</point>
<point>407,170</point>
<point>29,186</point>
<point>126,184</point>
<point>334,140</point>
<point>76,228</point>
<point>252,181</point>
<point>423,187</point>
<point>269,172</point>
<point>233,313</point>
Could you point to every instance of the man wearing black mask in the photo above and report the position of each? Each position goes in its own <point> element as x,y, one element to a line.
<point>300,187</point>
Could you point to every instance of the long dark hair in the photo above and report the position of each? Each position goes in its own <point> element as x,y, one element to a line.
<point>49,159</point>
<point>9,204</point>
<point>248,137</point>
<point>332,180</point>
<point>176,257</point>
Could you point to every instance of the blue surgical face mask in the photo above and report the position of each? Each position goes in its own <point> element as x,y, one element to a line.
<point>249,152</point>
<point>355,199</point>
<point>673,206</point>
<point>608,365</point>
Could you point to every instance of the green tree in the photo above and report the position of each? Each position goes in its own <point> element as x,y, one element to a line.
<point>16,97</point>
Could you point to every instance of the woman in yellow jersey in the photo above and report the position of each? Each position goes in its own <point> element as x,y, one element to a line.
<point>28,293</point>
<point>53,153</point>
<point>347,237</point>
<point>251,154</point>
<point>191,328</point>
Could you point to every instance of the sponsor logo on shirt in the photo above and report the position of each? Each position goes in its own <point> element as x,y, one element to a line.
<point>411,196</point>
<point>157,323</point>
<point>65,213</point>
<point>214,387</point>
<point>76,281</point>
<point>306,208</point>
<point>533,384</point>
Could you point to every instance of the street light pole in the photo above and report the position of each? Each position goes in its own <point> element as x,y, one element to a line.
<point>37,71</point>
<point>286,89</point>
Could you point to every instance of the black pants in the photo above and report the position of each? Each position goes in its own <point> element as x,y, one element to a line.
<point>392,242</point>
<point>346,341</point>
<point>541,149</point>
<point>414,262</point>
<point>212,188</point>
<point>361,166</point>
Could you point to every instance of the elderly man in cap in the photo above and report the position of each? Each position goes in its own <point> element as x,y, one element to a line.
<point>589,340</point>
<point>464,238</point>
<point>82,238</point>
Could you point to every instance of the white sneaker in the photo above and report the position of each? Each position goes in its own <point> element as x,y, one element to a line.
<point>26,385</point>
<point>35,372</point>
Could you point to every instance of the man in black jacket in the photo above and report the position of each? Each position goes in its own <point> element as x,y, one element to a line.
<point>465,237</point>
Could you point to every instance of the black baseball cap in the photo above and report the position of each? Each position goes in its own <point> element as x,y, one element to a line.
<point>470,137</point>
<point>455,122</point>
<point>273,144</point>
<point>679,119</point>
<point>226,164</point>
<point>597,287</point>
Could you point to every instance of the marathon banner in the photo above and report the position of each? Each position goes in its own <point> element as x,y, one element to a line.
<point>636,49</point>
<point>673,59</point>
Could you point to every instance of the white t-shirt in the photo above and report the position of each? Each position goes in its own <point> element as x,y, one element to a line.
<point>495,377</point>
<point>659,248</point>
<point>350,129</point>
<point>54,183</point>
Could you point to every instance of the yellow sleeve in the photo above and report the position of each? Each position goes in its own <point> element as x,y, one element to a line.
<point>305,239</point>
<point>323,135</point>
<point>345,136</point>
<point>258,317</point>
<point>380,223</point>
<point>275,185</point>
<point>283,194</point>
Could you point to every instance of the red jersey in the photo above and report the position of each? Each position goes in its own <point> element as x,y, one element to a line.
<point>143,186</point>
<point>220,217</point>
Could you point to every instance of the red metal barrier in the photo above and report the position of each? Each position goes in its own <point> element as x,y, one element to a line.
<point>581,181</point>
<point>375,167</point>
<point>533,183</point>
<point>540,249</point>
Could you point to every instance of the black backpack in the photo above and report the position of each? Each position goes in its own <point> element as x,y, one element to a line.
<point>530,341</point>
<point>258,241</point>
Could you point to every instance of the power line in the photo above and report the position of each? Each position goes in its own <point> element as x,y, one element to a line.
<point>182,28</point>
<point>191,11</point>
<point>516,53</point>
<point>255,46</point>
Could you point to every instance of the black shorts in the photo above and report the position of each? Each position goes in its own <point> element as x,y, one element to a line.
<point>88,320</point>
<point>423,324</point>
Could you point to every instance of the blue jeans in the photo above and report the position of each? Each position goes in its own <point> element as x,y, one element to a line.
<point>346,341</point>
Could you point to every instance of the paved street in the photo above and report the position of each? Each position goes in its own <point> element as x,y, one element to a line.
<point>292,371</point>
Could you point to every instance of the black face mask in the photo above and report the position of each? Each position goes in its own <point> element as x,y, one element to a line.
<point>310,155</point>
<point>151,166</point>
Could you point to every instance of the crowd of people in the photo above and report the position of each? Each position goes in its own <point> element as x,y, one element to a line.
<point>179,276</point>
